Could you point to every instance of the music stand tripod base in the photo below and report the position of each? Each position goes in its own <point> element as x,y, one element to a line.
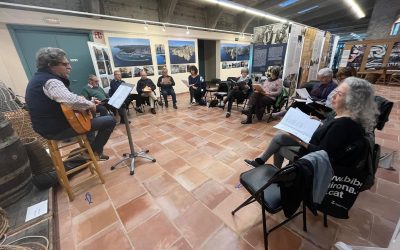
<point>117,102</point>
<point>132,156</point>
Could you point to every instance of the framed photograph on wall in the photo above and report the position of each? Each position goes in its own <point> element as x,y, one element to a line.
<point>130,51</point>
<point>182,52</point>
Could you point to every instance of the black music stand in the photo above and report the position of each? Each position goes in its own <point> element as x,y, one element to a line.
<point>116,101</point>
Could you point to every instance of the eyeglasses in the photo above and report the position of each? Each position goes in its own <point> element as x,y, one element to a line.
<point>65,64</point>
<point>339,93</point>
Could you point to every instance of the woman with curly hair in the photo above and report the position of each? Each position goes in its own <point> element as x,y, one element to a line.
<point>356,114</point>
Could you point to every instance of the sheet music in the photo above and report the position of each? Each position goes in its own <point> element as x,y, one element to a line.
<point>120,95</point>
<point>186,83</point>
<point>303,93</point>
<point>299,124</point>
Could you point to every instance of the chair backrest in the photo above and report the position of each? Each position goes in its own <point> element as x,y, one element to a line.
<point>348,181</point>
<point>223,87</point>
<point>385,107</point>
<point>281,100</point>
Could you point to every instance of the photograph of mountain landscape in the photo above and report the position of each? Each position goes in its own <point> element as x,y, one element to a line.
<point>182,52</point>
<point>130,51</point>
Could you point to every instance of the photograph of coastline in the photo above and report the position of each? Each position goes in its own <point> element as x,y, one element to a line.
<point>181,52</point>
<point>130,51</point>
<point>228,52</point>
<point>242,52</point>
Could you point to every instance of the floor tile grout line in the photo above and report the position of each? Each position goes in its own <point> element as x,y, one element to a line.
<point>119,219</point>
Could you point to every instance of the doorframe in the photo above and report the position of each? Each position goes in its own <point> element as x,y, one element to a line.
<point>12,28</point>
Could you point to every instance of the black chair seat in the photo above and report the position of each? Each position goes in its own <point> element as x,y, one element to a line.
<point>256,178</point>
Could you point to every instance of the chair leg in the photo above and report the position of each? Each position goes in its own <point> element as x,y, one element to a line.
<point>304,218</point>
<point>265,230</point>
<point>325,220</point>
<point>60,169</point>
<point>96,167</point>
<point>245,203</point>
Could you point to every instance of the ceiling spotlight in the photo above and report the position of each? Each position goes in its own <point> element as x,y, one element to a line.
<point>187,31</point>
<point>163,28</point>
<point>146,27</point>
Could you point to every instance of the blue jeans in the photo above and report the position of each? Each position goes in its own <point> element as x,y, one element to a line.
<point>104,125</point>
<point>166,92</point>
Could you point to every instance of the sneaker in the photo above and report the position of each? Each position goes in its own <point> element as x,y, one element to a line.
<point>102,157</point>
<point>153,111</point>
<point>175,107</point>
<point>252,163</point>
<point>137,109</point>
<point>228,114</point>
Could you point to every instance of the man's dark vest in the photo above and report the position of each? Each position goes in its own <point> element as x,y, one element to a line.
<point>46,115</point>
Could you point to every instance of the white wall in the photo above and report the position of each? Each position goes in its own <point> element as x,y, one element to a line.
<point>12,71</point>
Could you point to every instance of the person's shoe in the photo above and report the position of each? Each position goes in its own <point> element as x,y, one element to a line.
<point>102,157</point>
<point>123,122</point>
<point>228,114</point>
<point>252,163</point>
<point>248,120</point>
<point>175,107</point>
<point>166,105</point>
<point>153,111</point>
<point>137,109</point>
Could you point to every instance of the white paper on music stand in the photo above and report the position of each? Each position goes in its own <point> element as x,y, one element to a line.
<point>186,83</point>
<point>303,93</point>
<point>299,124</point>
<point>120,95</point>
<point>36,210</point>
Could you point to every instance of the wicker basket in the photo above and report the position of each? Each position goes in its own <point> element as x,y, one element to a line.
<point>22,125</point>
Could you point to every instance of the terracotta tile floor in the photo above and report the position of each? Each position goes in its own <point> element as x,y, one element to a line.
<point>184,200</point>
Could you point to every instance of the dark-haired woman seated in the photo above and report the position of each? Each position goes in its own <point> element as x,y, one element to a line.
<point>197,86</point>
<point>356,112</point>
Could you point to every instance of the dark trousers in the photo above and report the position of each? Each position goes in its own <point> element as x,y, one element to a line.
<point>258,102</point>
<point>198,95</point>
<point>235,95</point>
<point>166,92</point>
<point>104,125</point>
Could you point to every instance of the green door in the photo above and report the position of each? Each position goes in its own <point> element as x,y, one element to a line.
<point>28,40</point>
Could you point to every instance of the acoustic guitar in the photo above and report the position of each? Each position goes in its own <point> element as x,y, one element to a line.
<point>79,121</point>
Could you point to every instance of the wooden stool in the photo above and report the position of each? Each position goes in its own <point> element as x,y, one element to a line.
<point>59,165</point>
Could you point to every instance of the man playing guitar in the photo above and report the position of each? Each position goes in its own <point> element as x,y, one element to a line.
<point>45,92</point>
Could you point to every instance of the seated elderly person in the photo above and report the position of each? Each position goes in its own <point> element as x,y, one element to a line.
<point>263,96</point>
<point>240,91</point>
<point>113,87</point>
<point>356,113</point>
<point>145,88</point>
<point>319,93</point>
<point>167,83</point>
<point>93,92</point>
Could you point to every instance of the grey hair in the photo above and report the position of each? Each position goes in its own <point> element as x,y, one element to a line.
<point>360,101</point>
<point>325,72</point>
<point>91,77</point>
<point>49,56</point>
<point>244,70</point>
<point>276,70</point>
